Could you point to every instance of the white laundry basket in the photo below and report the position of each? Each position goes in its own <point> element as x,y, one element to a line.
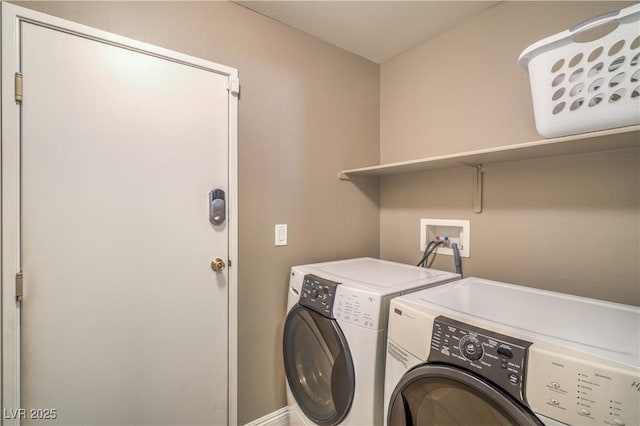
<point>581,86</point>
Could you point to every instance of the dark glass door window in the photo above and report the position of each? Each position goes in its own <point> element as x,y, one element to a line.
<point>318,366</point>
<point>447,396</point>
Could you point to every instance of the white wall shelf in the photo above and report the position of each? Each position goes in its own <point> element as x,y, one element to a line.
<point>605,140</point>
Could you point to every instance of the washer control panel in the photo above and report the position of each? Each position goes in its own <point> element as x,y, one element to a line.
<point>572,389</point>
<point>318,294</point>
<point>496,357</point>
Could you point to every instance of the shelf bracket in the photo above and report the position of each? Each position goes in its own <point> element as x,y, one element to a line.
<point>343,176</point>
<point>477,188</point>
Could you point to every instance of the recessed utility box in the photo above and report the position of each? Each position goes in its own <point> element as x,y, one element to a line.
<point>448,231</point>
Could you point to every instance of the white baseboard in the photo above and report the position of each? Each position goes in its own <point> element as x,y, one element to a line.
<point>277,418</point>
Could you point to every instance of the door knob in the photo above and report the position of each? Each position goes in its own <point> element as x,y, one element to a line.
<point>217,265</point>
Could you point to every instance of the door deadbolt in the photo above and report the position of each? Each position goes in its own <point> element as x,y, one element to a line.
<point>217,265</point>
<point>216,207</point>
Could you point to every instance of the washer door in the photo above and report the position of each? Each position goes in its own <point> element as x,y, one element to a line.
<point>318,366</point>
<point>434,394</point>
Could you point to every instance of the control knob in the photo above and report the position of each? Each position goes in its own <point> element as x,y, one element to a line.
<point>471,348</point>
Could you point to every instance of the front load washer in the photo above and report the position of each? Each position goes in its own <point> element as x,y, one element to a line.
<point>480,352</point>
<point>335,336</point>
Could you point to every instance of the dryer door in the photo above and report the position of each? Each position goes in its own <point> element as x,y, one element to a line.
<point>435,394</point>
<point>318,366</point>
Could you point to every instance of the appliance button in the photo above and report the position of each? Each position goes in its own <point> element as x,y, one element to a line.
<point>555,385</point>
<point>584,412</point>
<point>619,422</point>
<point>554,401</point>
<point>514,380</point>
<point>505,353</point>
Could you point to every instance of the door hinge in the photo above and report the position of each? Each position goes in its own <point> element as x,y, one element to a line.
<point>233,86</point>
<point>19,286</point>
<point>18,87</point>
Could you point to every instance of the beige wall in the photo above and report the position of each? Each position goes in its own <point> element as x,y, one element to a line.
<point>307,110</point>
<point>570,224</point>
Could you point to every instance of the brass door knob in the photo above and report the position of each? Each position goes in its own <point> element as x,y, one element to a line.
<point>217,265</point>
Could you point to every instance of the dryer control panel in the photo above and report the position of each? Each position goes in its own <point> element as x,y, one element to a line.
<point>318,294</point>
<point>496,357</point>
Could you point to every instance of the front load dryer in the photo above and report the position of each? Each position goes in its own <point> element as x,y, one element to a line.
<point>480,352</point>
<point>335,336</point>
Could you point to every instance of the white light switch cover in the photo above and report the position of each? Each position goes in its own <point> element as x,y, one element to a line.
<point>281,234</point>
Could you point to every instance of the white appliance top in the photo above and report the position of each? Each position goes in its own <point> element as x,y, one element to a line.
<point>378,276</point>
<point>606,329</point>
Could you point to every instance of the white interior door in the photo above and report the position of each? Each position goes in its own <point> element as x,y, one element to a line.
<point>124,322</point>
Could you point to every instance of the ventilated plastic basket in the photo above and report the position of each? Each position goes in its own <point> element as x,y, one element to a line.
<point>587,78</point>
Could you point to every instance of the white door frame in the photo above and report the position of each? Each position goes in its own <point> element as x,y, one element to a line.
<point>12,16</point>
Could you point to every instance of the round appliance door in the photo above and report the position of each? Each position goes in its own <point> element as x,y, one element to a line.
<point>435,394</point>
<point>318,366</point>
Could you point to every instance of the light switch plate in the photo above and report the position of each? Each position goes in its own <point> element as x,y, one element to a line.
<point>281,234</point>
